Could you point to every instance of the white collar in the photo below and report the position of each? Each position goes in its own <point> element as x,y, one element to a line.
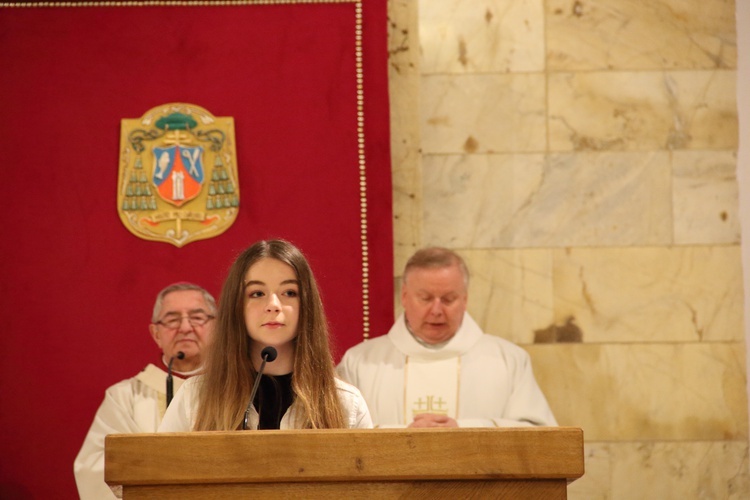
<point>464,339</point>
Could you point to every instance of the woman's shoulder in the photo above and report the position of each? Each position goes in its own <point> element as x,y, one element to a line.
<point>355,406</point>
<point>190,386</point>
<point>193,381</point>
<point>345,386</point>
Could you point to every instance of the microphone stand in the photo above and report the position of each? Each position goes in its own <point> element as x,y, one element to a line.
<point>268,354</point>
<point>170,388</point>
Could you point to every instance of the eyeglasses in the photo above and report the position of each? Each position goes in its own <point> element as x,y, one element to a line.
<point>195,319</point>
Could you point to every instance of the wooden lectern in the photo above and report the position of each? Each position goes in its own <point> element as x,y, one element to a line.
<point>513,463</point>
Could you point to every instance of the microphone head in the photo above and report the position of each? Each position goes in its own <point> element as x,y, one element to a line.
<point>268,353</point>
<point>179,355</point>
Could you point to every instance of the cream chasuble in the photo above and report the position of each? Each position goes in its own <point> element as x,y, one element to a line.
<point>156,379</point>
<point>432,376</point>
<point>431,387</point>
<point>477,379</point>
<point>134,405</point>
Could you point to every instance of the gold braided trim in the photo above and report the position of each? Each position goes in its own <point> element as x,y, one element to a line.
<point>168,3</point>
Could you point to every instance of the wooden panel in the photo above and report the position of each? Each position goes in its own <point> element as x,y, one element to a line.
<point>499,490</point>
<point>344,455</point>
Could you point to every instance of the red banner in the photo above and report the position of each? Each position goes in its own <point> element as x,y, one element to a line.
<point>306,84</point>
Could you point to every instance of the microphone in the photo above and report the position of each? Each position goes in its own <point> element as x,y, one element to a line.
<point>180,355</point>
<point>268,354</point>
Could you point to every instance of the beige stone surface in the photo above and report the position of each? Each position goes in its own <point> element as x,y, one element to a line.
<point>483,113</point>
<point>406,168</point>
<point>663,469</point>
<point>517,201</point>
<point>470,200</point>
<point>705,197</point>
<point>596,482</point>
<point>583,164</point>
<point>510,292</point>
<point>678,294</point>
<point>628,392</point>
<point>642,110</point>
<point>481,36</point>
<point>636,34</point>
<point>680,470</point>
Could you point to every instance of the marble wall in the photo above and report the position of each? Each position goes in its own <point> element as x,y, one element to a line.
<point>581,155</point>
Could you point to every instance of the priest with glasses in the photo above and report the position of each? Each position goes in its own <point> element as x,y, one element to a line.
<point>181,326</point>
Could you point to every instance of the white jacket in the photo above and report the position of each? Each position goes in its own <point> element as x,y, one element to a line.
<point>180,416</point>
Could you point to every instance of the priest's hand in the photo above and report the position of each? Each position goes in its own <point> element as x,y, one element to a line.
<point>433,420</point>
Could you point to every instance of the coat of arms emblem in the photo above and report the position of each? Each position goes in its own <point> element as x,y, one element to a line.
<point>178,174</point>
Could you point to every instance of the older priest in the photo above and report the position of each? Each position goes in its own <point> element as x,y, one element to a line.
<point>181,324</point>
<point>435,367</point>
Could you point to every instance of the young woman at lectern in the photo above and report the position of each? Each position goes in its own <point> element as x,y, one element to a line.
<point>270,311</point>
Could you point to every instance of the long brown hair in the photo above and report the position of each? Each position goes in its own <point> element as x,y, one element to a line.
<point>228,380</point>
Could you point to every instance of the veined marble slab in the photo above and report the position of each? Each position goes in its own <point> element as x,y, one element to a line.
<point>705,197</point>
<point>678,294</point>
<point>640,35</point>
<point>642,111</point>
<point>483,113</point>
<point>510,291</point>
<point>664,469</point>
<point>481,36</point>
<point>645,392</point>
<point>520,201</point>
<point>406,159</point>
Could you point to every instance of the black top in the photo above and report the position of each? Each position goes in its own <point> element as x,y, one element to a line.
<point>273,399</point>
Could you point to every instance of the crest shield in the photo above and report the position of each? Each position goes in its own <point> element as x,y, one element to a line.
<point>178,174</point>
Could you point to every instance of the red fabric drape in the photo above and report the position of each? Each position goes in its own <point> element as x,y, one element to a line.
<point>77,287</point>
